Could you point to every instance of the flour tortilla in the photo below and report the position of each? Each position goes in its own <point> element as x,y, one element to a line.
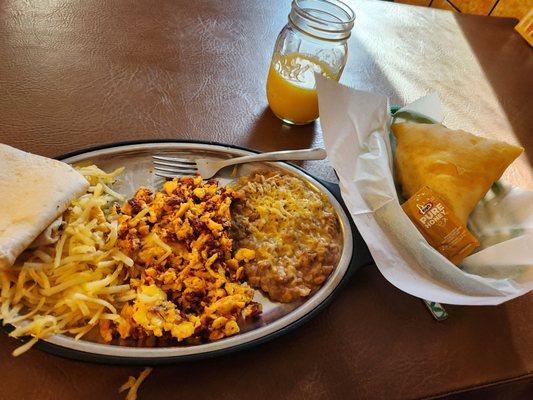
<point>50,235</point>
<point>459,166</point>
<point>35,191</point>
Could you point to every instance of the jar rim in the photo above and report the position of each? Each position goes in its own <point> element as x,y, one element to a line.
<point>330,20</point>
<point>337,4</point>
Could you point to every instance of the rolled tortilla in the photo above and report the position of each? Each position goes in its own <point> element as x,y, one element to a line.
<point>35,191</point>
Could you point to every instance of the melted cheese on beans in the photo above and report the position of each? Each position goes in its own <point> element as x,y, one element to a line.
<point>289,234</point>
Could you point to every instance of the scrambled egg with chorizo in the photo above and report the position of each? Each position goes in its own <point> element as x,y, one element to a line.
<point>188,283</point>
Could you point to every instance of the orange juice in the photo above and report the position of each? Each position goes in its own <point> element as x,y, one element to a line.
<point>291,89</point>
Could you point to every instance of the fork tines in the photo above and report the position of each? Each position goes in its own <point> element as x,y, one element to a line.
<point>172,167</point>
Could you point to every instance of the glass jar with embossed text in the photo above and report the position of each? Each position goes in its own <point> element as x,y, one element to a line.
<point>313,41</point>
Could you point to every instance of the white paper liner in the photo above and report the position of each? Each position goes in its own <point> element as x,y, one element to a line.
<point>355,126</point>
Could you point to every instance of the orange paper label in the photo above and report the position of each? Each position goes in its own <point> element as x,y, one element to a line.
<point>439,225</point>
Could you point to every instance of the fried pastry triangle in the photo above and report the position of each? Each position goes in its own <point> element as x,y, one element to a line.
<point>459,166</point>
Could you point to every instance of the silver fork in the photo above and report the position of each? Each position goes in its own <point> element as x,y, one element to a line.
<point>172,167</point>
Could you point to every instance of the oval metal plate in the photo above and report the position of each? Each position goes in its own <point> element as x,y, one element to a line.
<point>276,318</point>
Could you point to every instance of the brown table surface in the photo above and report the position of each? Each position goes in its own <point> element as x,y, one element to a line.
<point>82,73</point>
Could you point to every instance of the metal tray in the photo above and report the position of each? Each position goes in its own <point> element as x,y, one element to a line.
<point>276,319</point>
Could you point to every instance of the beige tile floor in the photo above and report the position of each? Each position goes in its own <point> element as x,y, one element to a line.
<point>500,8</point>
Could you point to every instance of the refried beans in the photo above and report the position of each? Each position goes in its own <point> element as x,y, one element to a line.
<point>291,231</point>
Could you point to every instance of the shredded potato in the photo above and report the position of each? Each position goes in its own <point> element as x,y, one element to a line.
<point>132,384</point>
<point>68,287</point>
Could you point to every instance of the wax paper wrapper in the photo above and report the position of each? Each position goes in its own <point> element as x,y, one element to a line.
<point>356,126</point>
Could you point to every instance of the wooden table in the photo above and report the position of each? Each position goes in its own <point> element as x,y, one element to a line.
<point>80,73</point>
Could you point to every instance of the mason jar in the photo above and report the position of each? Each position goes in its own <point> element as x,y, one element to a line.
<point>313,41</point>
